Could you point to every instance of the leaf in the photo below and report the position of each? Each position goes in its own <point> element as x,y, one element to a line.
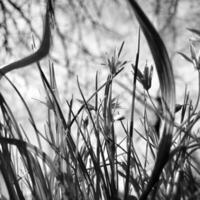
<point>167,87</point>
<point>185,57</point>
<point>160,56</point>
<point>197,32</point>
<point>178,107</point>
<point>36,56</point>
<point>120,50</point>
<point>193,53</point>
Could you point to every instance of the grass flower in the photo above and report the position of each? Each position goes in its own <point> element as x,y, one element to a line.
<point>145,78</point>
<point>114,63</point>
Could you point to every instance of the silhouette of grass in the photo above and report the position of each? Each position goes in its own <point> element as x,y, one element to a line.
<point>94,164</point>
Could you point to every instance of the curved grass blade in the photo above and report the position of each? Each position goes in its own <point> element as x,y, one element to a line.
<point>167,85</point>
<point>40,53</point>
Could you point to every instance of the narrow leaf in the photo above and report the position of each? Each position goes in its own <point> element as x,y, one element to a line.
<point>185,57</point>
<point>197,32</point>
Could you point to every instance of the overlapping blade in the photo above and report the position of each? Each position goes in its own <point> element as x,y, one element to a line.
<point>160,56</point>
<point>167,86</point>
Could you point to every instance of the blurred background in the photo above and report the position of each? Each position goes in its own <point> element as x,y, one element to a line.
<point>84,34</point>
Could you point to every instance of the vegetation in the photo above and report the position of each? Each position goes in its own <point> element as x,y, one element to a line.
<point>94,164</point>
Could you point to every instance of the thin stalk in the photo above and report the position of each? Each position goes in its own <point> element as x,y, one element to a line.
<point>129,139</point>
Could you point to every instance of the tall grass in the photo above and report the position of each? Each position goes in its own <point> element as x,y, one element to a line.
<point>94,164</point>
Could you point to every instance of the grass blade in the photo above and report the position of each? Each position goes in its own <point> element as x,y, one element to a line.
<point>167,85</point>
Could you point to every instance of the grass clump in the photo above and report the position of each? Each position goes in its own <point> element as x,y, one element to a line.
<point>94,164</point>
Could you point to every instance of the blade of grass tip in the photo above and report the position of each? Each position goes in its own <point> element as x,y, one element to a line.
<point>129,138</point>
<point>53,81</point>
<point>106,96</point>
<point>167,85</point>
<point>120,50</point>
<point>70,104</point>
<point>185,103</point>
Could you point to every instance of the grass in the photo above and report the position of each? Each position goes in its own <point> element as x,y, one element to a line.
<point>94,164</point>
